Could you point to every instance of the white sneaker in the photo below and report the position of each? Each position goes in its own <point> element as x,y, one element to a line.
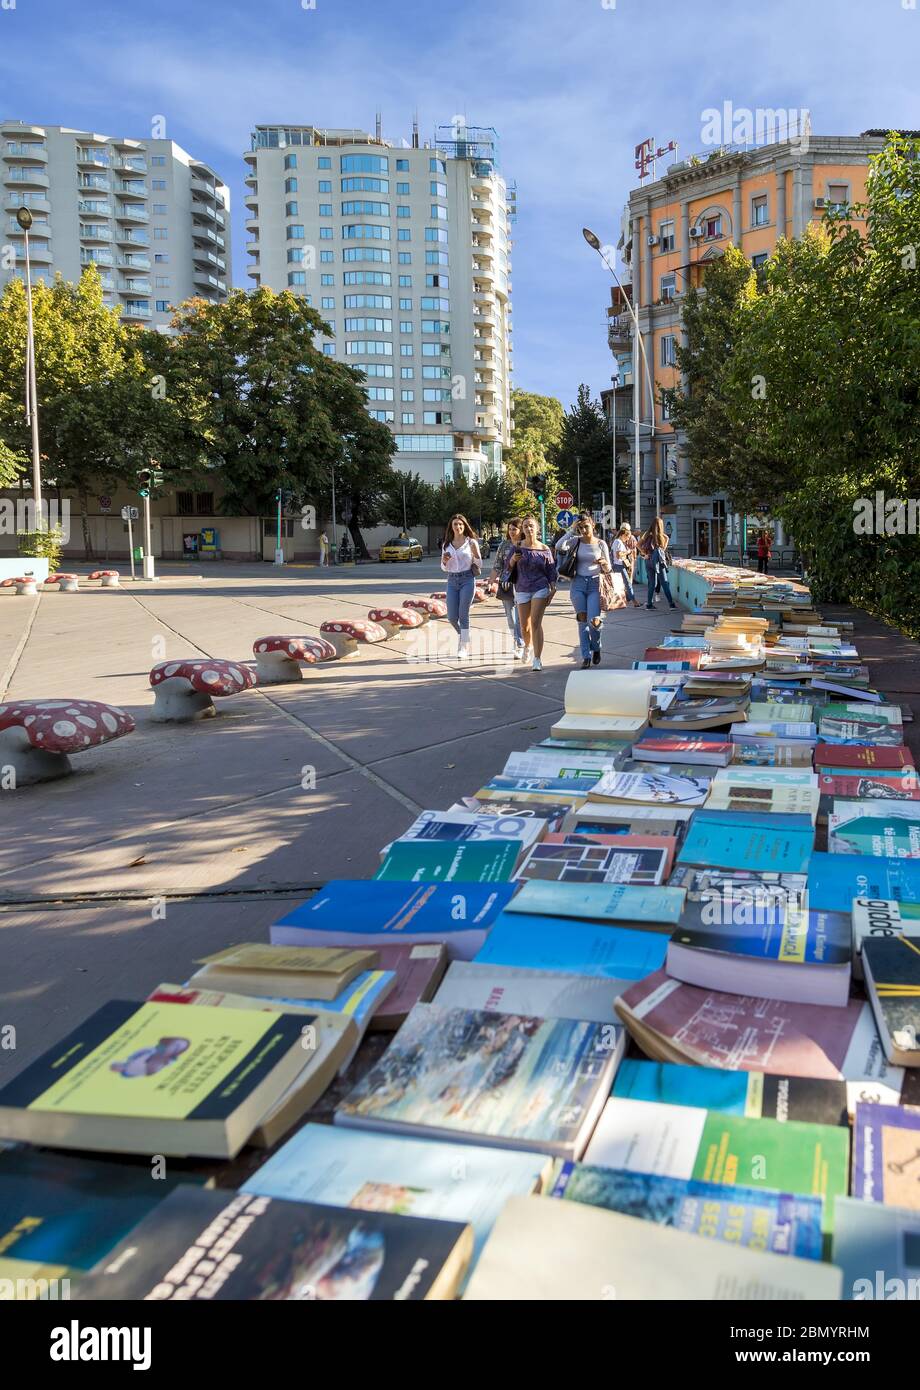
<point>463,651</point>
<point>525,654</point>
<point>519,653</point>
<point>536,664</point>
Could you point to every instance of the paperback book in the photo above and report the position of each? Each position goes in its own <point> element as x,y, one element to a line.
<point>617,904</point>
<point>756,1094</point>
<point>891,830</point>
<point>612,954</point>
<point>437,861</point>
<point>886,1155</point>
<point>650,789</point>
<point>775,842</point>
<point>891,966</point>
<point>581,860</point>
<point>507,989</point>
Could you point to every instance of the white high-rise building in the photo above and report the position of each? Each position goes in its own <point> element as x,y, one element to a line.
<point>154,220</point>
<point>405,251</point>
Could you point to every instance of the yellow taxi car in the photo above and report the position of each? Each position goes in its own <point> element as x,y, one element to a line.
<point>401,548</point>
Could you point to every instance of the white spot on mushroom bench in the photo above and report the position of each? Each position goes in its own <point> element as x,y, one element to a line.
<point>395,621</point>
<point>431,607</point>
<point>346,633</point>
<point>279,659</point>
<point>24,584</point>
<point>108,578</point>
<point>36,736</point>
<point>186,689</point>
<point>67,583</point>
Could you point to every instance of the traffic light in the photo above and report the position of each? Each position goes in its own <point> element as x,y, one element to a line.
<point>143,483</point>
<point>538,483</point>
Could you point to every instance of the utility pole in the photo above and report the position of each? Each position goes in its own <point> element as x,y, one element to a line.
<point>24,218</point>
<point>613,454</point>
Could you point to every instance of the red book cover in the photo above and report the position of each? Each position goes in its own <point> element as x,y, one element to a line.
<point>691,656</point>
<point>624,842</point>
<point>865,788</point>
<point>861,755</point>
<point>419,971</point>
<point>680,743</point>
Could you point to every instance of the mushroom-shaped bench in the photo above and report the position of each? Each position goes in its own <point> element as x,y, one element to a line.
<point>23,583</point>
<point>108,578</point>
<point>440,597</point>
<point>479,594</point>
<point>346,633</point>
<point>395,621</point>
<point>36,736</point>
<point>279,659</point>
<point>186,689</point>
<point>430,607</point>
<point>67,583</point>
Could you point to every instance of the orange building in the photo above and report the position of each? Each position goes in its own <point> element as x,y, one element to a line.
<point>673,227</point>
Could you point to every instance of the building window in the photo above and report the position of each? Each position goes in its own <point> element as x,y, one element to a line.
<point>406,350</point>
<point>405,282</point>
<point>365,231</point>
<point>386,417</point>
<point>437,190</point>
<point>760,210</point>
<point>403,234</point>
<point>325,209</point>
<point>437,282</point>
<point>666,236</point>
<point>437,258</point>
<point>668,350</point>
<point>408,416</point>
<point>295,255</point>
<point>431,302</point>
<point>327,257</point>
<point>162,306</point>
<point>327,279</point>
<point>324,162</point>
<point>405,326</point>
<point>159,209</point>
<point>712,227</point>
<point>325,233</point>
<point>161,258</point>
<point>437,166</point>
<point>668,288</point>
<point>405,304</point>
<point>366,277</point>
<point>362,164</point>
<point>291,209</point>
<point>407,395</point>
<point>438,212</point>
<point>327,302</point>
<point>185,504</point>
<point>363,185</point>
<point>159,160</point>
<point>160,234</point>
<point>158,185</point>
<point>435,233</point>
<point>402,166</point>
<point>328,349</point>
<point>362,253</point>
<point>297,277</point>
<point>407,373</point>
<point>838,197</point>
<point>436,417</point>
<point>290,161</point>
<point>433,350</point>
<point>290,185</point>
<point>364,325</point>
<point>161,282</point>
<point>295,231</point>
<point>379,393</point>
<point>362,208</point>
<point>325,186</point>
<point>403,211</point>
<point>435,326</point>
<point>204,503</point>
<point>402,189</point>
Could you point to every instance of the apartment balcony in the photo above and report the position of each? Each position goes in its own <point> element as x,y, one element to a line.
<point>256,274</point>
<point>204,234</point>
<point>485,273</point>
<point>97,256</point>
<point>25,149</point>
<point>481,233</point>
<point>95,231</point>
<point>134,261</point>
<point>619,331</point>
<point>39,252</point>
<point>136,311</point>
<point>131,188</point>
<point>134,164</point>
<point>482,248</point>
<point>203,189</point>
<point>251,200</point>
<point>26,178</point>
<point>128,236</point>
<point>107,282</point>
<point>205,281</point>
<point>88,157</point>
<point>203,210</point>
<point>94,207</point>
<point>98,181</point>
<point>483,204</point>
<point>129,212</point>
<point>35,202</point>
<point>130,286</point>
<point>14,130</point>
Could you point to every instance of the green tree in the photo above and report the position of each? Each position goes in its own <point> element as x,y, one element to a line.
<point>419,500</point>
<point>584,449</point>
<point>538,425</point>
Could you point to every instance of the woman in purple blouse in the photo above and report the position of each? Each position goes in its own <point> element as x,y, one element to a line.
<point>533,566</point>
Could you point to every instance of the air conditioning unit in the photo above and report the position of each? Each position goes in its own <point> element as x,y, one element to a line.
<point>696,231</point>
<point>820,202</point>
<point>651,241</point>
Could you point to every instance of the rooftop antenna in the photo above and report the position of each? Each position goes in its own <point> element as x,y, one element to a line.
<point>415,131</point>
<point>379,125</point>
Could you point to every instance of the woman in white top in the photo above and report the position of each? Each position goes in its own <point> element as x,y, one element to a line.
<point>461,561</point>
<point>592,561</point>
<point>622,561</point>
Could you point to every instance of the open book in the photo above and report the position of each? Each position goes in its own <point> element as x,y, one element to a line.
<point>605,702</point>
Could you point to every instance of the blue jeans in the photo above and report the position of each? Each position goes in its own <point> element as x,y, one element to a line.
<point>619,568</point>
<point>585,593</point>
<point>658,578</point>
<point>460,589</point>
<point>513,619</point>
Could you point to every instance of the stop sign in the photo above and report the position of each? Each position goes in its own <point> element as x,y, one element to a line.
<point>105,504</point>
<point>564,500</point>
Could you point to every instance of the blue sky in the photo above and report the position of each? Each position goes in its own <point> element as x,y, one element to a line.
<point>571,86</point>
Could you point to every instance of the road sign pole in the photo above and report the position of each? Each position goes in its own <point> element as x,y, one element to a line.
<point>131,544</point>
<point>148,547</point>
<point>543,521</point>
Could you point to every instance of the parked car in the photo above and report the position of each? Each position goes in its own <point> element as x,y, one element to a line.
<point>401,548</point>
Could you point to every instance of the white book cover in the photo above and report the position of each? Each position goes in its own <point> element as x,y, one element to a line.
<point>645,1136</point>
<point>557,762</point>
<point>624,694</point>
<point>766,776</point>
<point>512,989</point>
<point>472,825</point>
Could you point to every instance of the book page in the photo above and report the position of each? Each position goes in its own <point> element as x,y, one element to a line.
<point>624,693</point>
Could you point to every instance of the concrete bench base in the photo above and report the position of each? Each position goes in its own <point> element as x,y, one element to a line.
<point>28,765</point>
<point>280,660</point>
<point>175,701</point>
<point>185,689</point>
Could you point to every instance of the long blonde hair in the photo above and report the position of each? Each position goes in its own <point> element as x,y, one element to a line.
<point>656,534</point>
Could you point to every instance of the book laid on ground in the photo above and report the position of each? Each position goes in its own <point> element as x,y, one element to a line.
<point>580,860</point>
<point>357,912</point>
<point>886,1155</point>
<point>844,732</point>
<point>439,861</point>
<point>891,966</point>
<point>850,758</point>
<point>518,805</point>
<point>298,973</point>
<point>779,753</point>
<point>870,827</point>
<point>701,714</point>
<point>584,764</point>
<point>605,702</point>
<point>746,795</point>
<point>547,1251</point>
<point>595,818</point>
<point>880,918</point>
<point>158,1078</point>
<point>793,731</point>
<point>619,904</point>
<point>507,1079</point>
<point>836,879</point>
<point>780,712</point>
<point>622,843</point>
<point>755,1094</point>
<point>851,692</point>
<point>684,749</point>
<point>683,1141</point>
<point>68,1211</point>
<point>649,789</point>
<point>509,989</point>
<point>202,1246</point>
<point>782,1223</point>
<point>674,1022</point>
<point>553,791</point>
<point>684,658</point>
<point>472,825</point>
<point>613,954</point>
<point>774,841</point>
<point>419,970</point>
<point>898,785</point>
<point>794,954</point>
<point>613,747</point>
<point>878,1250</point>
<point>766,777</point>
<point>407,1177</point>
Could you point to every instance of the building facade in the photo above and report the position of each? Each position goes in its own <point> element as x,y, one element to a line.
<point>673,228</point>
<point>405,251</point>
<point>152,219</point>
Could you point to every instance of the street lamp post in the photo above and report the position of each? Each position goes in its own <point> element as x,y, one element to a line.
<point>613,453</point>
<point>24,218</point>
<point>594,241</point>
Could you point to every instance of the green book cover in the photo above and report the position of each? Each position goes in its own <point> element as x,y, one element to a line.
<point>436,861</point>
<point>774,712</point>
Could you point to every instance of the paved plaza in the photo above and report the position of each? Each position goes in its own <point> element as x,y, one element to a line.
<point>289,786</point>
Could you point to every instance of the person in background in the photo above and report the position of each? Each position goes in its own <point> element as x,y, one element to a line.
<point>593,560</point>
<point>654,548</point>
<point>533,566</point>
<point>503,584</point>
<point>570,535</point>
<point>324,549</point>
<point>622,560</point>
<point>764,552</point>
<point>461,561</point>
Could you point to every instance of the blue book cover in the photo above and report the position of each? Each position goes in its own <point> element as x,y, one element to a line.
<point>878,1249</point>
<point>368,912</point>
<point>733,840</point>
<point>755,1094</point>
<point>573,948</point>
<point>778,1222</point>
<point>358,999</point>
<point>886,1155</point>
<point>834,880</point>
<point>601,902</point>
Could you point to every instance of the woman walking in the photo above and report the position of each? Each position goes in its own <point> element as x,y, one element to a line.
<point>502,581</point>
<point>622,561</point>
<point>592,563</point>
<point>461,561</point>
<point>533,567</point>
<point>764,552</point>
<point>655,549</point>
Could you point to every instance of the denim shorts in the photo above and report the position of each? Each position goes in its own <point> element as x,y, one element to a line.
<point>525,598</point>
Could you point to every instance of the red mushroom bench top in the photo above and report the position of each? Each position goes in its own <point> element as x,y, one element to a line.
<point>65,726</point>
<point>207,675</point>
<point>105,574</point>
<point>435,608</point>
<point>308,649</point>
<point>479,595</point>
<point>17,580</point>
<point>357,629</point>
<point>58,578</point>
<point>396,617</point>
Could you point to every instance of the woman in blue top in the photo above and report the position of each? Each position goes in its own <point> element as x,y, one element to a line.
<point>533,566</point>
